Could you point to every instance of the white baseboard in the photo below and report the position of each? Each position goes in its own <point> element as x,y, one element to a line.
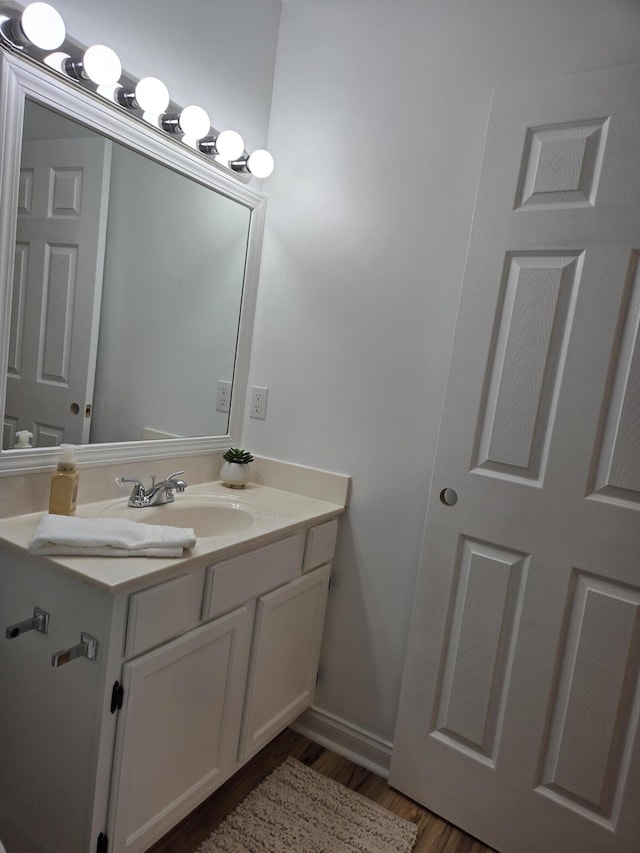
<point>345,739</point>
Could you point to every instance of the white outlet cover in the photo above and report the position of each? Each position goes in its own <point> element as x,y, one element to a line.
<point>258,407</point>
<point>223,396</point>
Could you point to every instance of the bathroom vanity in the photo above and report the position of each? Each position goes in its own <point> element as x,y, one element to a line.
<point>199,662</point>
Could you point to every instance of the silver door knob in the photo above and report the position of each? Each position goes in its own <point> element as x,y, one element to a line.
<point>449,497</point>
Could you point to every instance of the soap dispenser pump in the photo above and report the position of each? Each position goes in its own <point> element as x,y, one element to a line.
<point>23,438</point>
<point>64,483</point>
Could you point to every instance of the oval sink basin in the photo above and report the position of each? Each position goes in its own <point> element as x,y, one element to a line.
<point>208,515</point>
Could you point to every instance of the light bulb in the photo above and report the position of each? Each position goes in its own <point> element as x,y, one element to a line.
<point>229,145</point>
<point>152,96</point>
<point>101,65</point>
<point>154,119</point>
<point>57,61</point>
<point>110,92</point>
<point>194,122</point>
<point>42,26</point>
<point>260,163</point>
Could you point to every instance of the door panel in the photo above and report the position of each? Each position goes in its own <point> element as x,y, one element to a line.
<point>476,661</point>
<point>599,647</point>
<point>521,694</point>
<point>618,467</point>
<point>526,362</point>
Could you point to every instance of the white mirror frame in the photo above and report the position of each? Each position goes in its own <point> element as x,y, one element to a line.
<point>21,78</point>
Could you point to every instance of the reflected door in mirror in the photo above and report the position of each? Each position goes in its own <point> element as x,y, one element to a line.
<point>61,228</point>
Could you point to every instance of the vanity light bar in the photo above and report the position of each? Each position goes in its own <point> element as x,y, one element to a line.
<point>41,27</point>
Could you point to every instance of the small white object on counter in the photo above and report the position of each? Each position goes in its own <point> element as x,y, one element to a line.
<point>108,537</point>
<point>23,439</point>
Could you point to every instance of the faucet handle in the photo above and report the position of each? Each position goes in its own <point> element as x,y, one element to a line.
<point>120,481</point>
<point>137,496</point>
<point>174,483</point>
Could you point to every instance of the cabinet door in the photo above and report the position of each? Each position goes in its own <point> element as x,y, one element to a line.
<point>179,729</point>
<point>284,657</point>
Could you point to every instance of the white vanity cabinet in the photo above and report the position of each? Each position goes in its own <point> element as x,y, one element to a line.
<point>207,664</point>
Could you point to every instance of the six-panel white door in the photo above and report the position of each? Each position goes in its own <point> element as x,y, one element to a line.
<point>521,695</point>
<point>61,231</point>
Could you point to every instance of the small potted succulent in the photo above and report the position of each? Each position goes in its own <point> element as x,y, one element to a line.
<point>235,469</point>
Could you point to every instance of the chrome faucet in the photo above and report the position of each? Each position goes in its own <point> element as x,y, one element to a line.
<point>158,493</point>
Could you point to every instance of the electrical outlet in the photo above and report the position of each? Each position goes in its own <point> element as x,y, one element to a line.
<point>223,397</point>
<point>259,402</point>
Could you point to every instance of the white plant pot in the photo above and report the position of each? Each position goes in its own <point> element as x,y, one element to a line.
<point>234,475</point>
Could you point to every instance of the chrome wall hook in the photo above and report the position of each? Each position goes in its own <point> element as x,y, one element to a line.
<point>38,622</point>
<point>86,648</point>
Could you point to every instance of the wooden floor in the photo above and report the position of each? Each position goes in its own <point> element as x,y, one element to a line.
<point>434,834</point>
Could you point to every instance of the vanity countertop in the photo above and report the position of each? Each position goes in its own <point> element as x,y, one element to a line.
<point>283,512</point>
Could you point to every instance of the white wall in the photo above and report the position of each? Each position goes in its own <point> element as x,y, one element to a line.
<point>363,264</point>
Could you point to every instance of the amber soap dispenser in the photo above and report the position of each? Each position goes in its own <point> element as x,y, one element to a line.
<point>64,483</point>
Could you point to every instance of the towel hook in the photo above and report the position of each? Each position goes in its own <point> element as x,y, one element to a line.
<point>86,648</point>
<point>38,622</point>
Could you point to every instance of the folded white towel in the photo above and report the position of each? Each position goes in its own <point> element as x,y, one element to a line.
<point>108,537</point>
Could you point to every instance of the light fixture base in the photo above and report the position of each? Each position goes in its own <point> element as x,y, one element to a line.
<point>74,68</point>
<point>126,98</point>
<point>171,123</point>
<point>240,165</point>
<point>10,34</point>
<point>208,145</point>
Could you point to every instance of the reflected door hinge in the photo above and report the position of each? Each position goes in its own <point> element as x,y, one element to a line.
<point>117,695</point>
<point>103,843</point>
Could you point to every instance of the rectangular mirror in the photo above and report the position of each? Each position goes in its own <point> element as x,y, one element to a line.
<point>130,283</point>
